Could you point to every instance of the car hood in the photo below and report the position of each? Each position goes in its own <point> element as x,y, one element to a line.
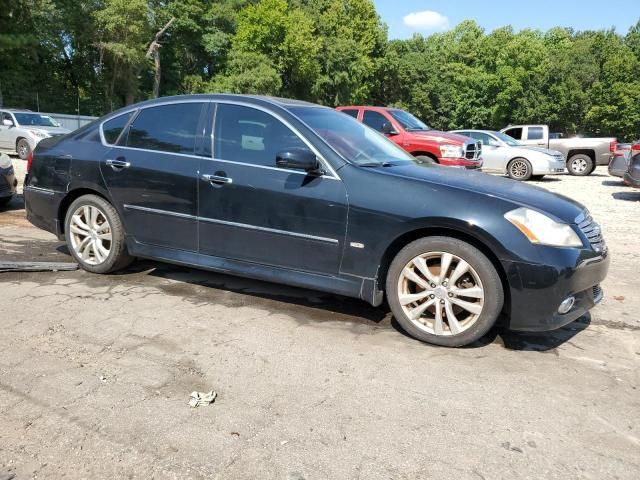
<point>561,207</point>
<point>51,130</point>
<point>443,137</point>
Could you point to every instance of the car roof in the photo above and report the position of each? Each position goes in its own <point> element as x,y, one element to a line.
<point>17,110</point>
<point>258,100</point>
<point>474,130</point>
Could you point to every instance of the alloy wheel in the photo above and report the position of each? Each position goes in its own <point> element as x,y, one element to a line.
<point>440,293</point>
<point>518,169</point>
<point>90,234</point>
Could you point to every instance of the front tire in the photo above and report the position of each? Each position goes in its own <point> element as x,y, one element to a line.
<point>451,308</point>
<point>580,165</point>
<point>23,149</point>
<point>519,169</point>
<point>95,235</point>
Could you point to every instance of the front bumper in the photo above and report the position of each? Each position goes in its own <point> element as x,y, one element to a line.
<point>460,162</point>
<point>537,290</point>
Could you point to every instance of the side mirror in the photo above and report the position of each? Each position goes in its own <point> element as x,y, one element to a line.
<point>388,129</point>
<point>298,159</point>
<point>7,123</point>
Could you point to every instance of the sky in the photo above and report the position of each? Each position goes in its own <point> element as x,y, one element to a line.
<point>406,17</point>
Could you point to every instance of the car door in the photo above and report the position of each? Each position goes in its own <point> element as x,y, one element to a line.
<point>376,120</point>
<point>252,210</point>
<point>535,136</point>
<point>151,173</point>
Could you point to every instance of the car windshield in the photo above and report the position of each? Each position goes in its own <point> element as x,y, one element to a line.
<point>354,141</point>
<point>35,120</point>
<point>408,121</point>
<point>512,142</point>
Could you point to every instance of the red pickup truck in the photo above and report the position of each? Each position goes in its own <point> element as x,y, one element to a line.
<point>418,139</point>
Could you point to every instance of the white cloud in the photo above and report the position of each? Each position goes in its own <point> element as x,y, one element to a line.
<point>427,20</point>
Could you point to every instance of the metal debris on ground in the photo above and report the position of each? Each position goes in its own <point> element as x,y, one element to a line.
<point>36,266</point>
<point>200,398</point>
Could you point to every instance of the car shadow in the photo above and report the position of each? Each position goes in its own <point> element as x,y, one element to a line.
<point>16,203</point>
<point>613,183</point>
<point>319,307</point>
<point>323,305</point>
<point>547,179</point>
<point>633,196</point>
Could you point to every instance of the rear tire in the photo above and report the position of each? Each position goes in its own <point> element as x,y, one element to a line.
<point>469,296</point>
<point>426,159</point>
<point>580,165</point>
<point>95,235</point>
<point>23,149</point>
<point>519,169</point>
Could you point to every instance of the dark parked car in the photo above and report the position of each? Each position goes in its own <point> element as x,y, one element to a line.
<point>632,175</point>
<point>8,181</point>
<point>620,162</point>
<point>296,193</point>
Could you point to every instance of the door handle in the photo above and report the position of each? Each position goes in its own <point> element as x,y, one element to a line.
<point>216,179</point>
<point>118,164</point>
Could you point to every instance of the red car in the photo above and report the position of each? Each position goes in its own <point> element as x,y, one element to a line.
<point>418,139</point>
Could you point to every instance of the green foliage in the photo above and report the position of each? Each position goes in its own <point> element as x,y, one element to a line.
<point>90,56</point>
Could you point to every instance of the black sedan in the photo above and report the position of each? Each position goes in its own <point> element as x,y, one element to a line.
<point>8,181</point>
<point>292,192</point>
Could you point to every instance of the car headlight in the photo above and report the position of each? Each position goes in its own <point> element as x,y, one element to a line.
<point>540,229</point>
<point>39,133</point>
<point>452,151</point>
<point>5,161</point>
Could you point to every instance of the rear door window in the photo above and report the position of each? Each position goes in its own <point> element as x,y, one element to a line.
<point>535,133</point>
<point>352,112</point>
<point>112,128</point>
<point>167,128</point>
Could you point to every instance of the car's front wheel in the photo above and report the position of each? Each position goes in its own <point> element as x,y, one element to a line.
<point>23,149</point>
<point>519,169</point>
<point>444,291</point>
<point>95,235</point>
<point>580,165</point>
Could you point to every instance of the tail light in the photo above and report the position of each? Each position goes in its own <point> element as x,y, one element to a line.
<point>612,145</point>
<point>29,160</point>
<point>635,147</point>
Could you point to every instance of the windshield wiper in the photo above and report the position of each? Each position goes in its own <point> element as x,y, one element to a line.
<point>376,164</point>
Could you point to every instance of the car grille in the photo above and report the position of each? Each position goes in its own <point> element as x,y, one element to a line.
<point>473,151</point>
<point>592,231</point>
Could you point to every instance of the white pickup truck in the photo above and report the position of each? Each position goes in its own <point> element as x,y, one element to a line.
<point>581,154</point>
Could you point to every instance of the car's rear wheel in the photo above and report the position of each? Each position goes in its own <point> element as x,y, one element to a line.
<point>580,165</point>
<point>444,291</point>
<point>23,149</point>
<point>519,169</point>
<point>95,235</point>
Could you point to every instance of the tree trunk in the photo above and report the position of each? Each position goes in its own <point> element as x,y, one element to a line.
<point>154,52</point>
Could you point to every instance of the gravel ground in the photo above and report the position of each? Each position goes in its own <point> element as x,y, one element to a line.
<point>96,372</point>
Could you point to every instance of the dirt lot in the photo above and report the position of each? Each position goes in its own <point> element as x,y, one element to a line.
<point>96,372</point>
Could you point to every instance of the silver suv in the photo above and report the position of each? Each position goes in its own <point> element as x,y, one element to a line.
<point>21,130</point>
